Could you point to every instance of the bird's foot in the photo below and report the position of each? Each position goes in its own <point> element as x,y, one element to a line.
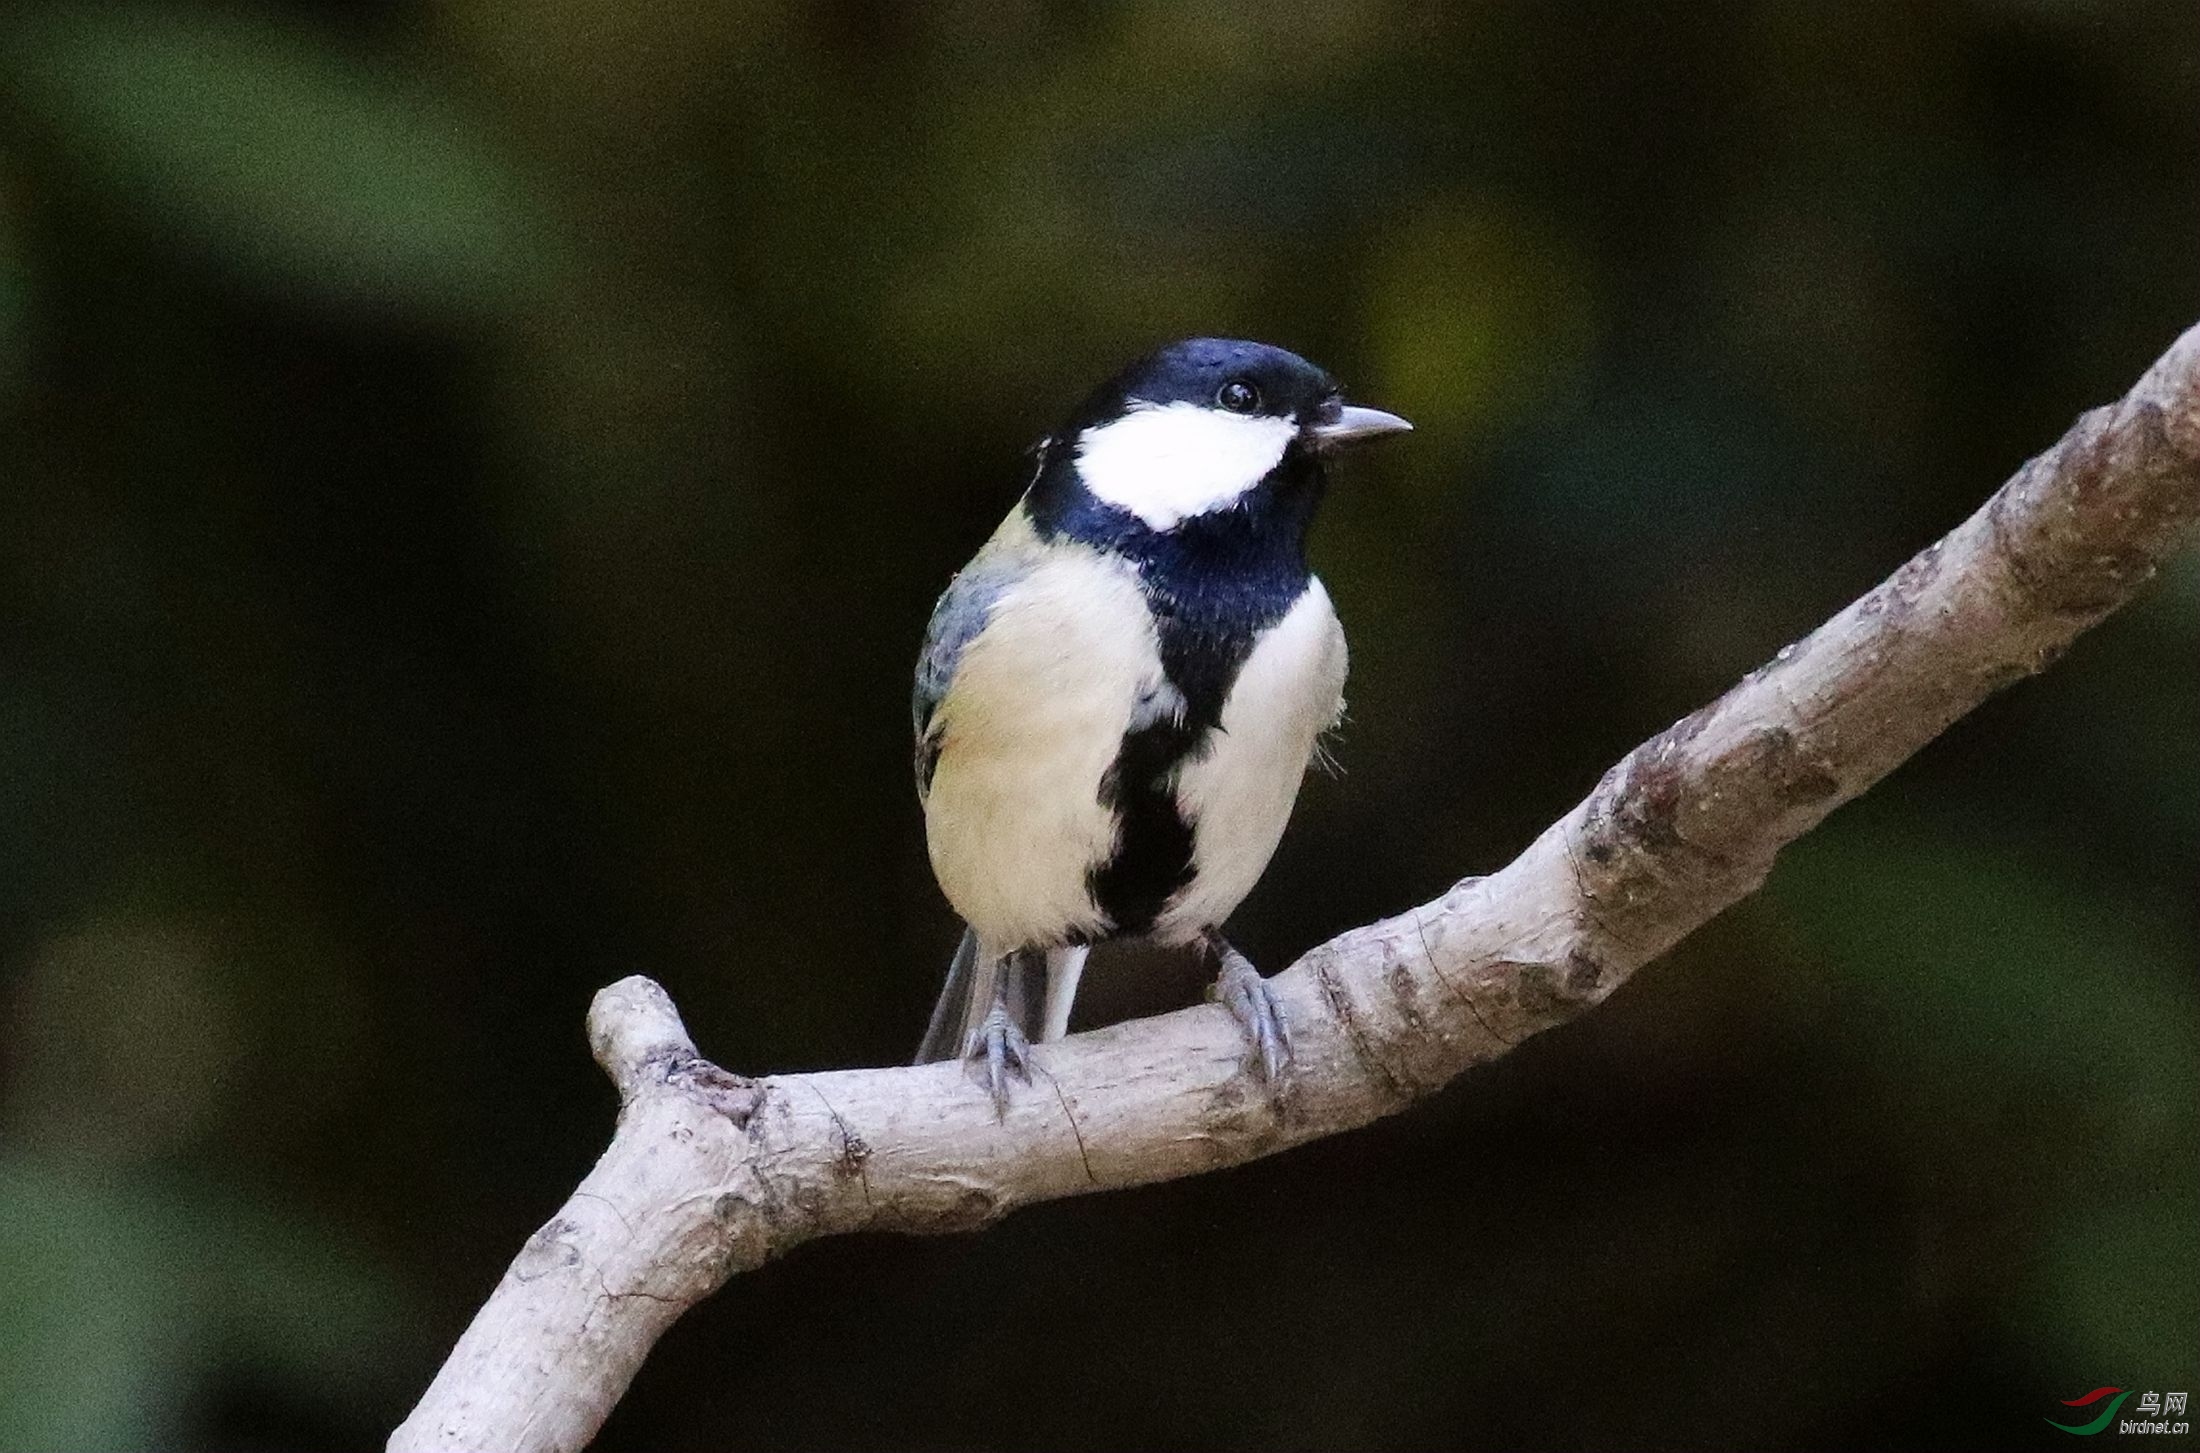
<point>1240,989</point>
<point>998,1052</point>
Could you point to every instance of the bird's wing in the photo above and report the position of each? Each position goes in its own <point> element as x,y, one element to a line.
<point>956,621</point>
<point>961,614</point>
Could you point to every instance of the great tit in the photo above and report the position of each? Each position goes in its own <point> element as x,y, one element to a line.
<point>1119,694</point>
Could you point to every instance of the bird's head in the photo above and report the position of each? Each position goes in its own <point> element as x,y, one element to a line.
<point>1207,425</point>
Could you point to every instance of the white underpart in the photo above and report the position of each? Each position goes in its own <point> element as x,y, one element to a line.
<point>1168,462</point>
<point>1035,717</point>
<point>1239,795</point>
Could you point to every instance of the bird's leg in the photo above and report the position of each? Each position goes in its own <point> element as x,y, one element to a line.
<point>1241,989</point>
<point>997,1048</point>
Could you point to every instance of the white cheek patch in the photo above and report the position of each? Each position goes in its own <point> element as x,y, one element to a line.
<point>1166,463</point>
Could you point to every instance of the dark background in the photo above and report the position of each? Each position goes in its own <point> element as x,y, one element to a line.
<point>474,476</point>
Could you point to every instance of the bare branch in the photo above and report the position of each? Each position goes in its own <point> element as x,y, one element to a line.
<point>710,1174</point>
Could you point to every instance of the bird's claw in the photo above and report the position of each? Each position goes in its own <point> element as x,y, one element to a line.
<point>1240,989</point>
<point>998,1052</point>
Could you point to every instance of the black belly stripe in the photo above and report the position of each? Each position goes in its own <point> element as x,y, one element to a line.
<point>1215,583</point>
<point>1153,853</point>
<point>1153,859</point>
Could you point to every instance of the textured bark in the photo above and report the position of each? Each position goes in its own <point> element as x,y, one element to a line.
<point>711,1173</point>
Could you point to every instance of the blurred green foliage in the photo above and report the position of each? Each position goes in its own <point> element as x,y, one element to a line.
<point>250,141</point>
<point>475,478</point>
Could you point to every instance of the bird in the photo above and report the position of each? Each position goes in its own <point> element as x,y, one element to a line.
<point>1119,695</point>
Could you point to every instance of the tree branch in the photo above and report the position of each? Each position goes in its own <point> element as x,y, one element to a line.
<point>710,1173</point>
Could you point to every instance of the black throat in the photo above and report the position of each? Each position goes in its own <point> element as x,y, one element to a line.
<point>1215,582</point>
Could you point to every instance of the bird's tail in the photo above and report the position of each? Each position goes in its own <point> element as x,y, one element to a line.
<point>951,1016</point>
<point>1037,989</point>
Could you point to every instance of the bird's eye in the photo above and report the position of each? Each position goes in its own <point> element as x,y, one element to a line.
<point>1238,396</point>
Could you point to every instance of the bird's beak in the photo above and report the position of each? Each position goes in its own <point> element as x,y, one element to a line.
<point>1347,423</point>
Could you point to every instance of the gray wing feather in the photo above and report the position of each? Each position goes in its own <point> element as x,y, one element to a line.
<point>956,621</point>
<point>959,616</point>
